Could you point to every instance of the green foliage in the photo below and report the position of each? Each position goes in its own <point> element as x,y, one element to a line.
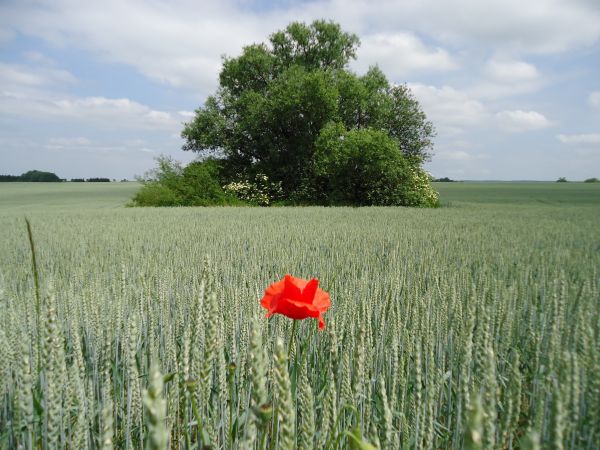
<point>167,173</point>
<point>274,101</point>
<point>323,45</point>
<point>155,194</point>
<point>591,180</point>
<point>198,184</point>
<point>363,167</point>
<point>562,180</point>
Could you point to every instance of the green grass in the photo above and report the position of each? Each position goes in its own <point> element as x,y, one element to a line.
<point>479,317</point>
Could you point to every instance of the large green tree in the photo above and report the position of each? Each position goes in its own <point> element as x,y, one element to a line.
<point>274,101</point>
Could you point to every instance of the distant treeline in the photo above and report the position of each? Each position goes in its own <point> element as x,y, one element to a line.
<point>10,178</point>
<point>32,175</point>
<point>38,175</point>
<point>444,180</point>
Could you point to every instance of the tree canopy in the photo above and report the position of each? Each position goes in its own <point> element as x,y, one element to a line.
<point>276,99</point>
<point>32,175</point>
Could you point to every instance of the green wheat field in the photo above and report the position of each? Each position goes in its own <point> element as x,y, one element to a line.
<point>474,325</point>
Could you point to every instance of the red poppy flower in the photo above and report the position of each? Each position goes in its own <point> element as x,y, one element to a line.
<point>297,299</point>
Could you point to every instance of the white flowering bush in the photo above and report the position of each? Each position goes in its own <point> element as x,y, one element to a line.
<point>419,191</point>
<point>259,190</point>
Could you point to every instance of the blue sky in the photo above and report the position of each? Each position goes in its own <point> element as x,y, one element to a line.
<point>99,89</point>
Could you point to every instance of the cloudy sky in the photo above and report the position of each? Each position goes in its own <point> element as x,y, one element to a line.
<point>90,88</point>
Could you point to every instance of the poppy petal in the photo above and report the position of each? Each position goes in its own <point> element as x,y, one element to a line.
<point>291,290</point>
<point>276,288</point>
<point>322,300</point>
<point>309,291</point>
<point>297,309</point>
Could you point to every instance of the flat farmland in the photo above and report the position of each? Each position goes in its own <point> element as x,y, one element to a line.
<point>473,325</point>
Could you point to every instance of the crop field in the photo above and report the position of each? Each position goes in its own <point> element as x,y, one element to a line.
<point>474,325</point>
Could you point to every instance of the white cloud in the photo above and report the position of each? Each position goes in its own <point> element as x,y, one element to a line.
<point>506,77</point>
<point>177,43</point>
<point>491,90</point>
<point>506,70</point>
<point>459,155</point>
<point>68,142</point>
<point>518,120</point>
<point>114,111</point>
<point>18,75</point>
<point>398,54</point>
<point>38,58</point>
<point>97,147</point>
<point>594,99</point>
<point>181,42</point>
<point>186,114</point>
<point>449,107</point>
<point>121,113</point>
<point>538,26</point>
<point>580,139</point>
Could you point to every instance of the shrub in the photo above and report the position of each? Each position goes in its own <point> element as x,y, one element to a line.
<point>364,167</point>
<point>201,185</point>
<point>592,180</point>
<point>155,194</point>
<point>198,184</point>
<point>561,180</point>
<point>167,173</point>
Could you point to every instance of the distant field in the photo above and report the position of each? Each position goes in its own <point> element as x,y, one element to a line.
<point>519,193</point>
<point>35,196</point>
<point>480,318</point>
<point>39,196</point>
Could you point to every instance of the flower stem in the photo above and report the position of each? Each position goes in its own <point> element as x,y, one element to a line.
<point>292,338</point>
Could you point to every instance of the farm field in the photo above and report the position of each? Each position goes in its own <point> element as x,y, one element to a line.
<point>22,198</point>
<point>473,325</point>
